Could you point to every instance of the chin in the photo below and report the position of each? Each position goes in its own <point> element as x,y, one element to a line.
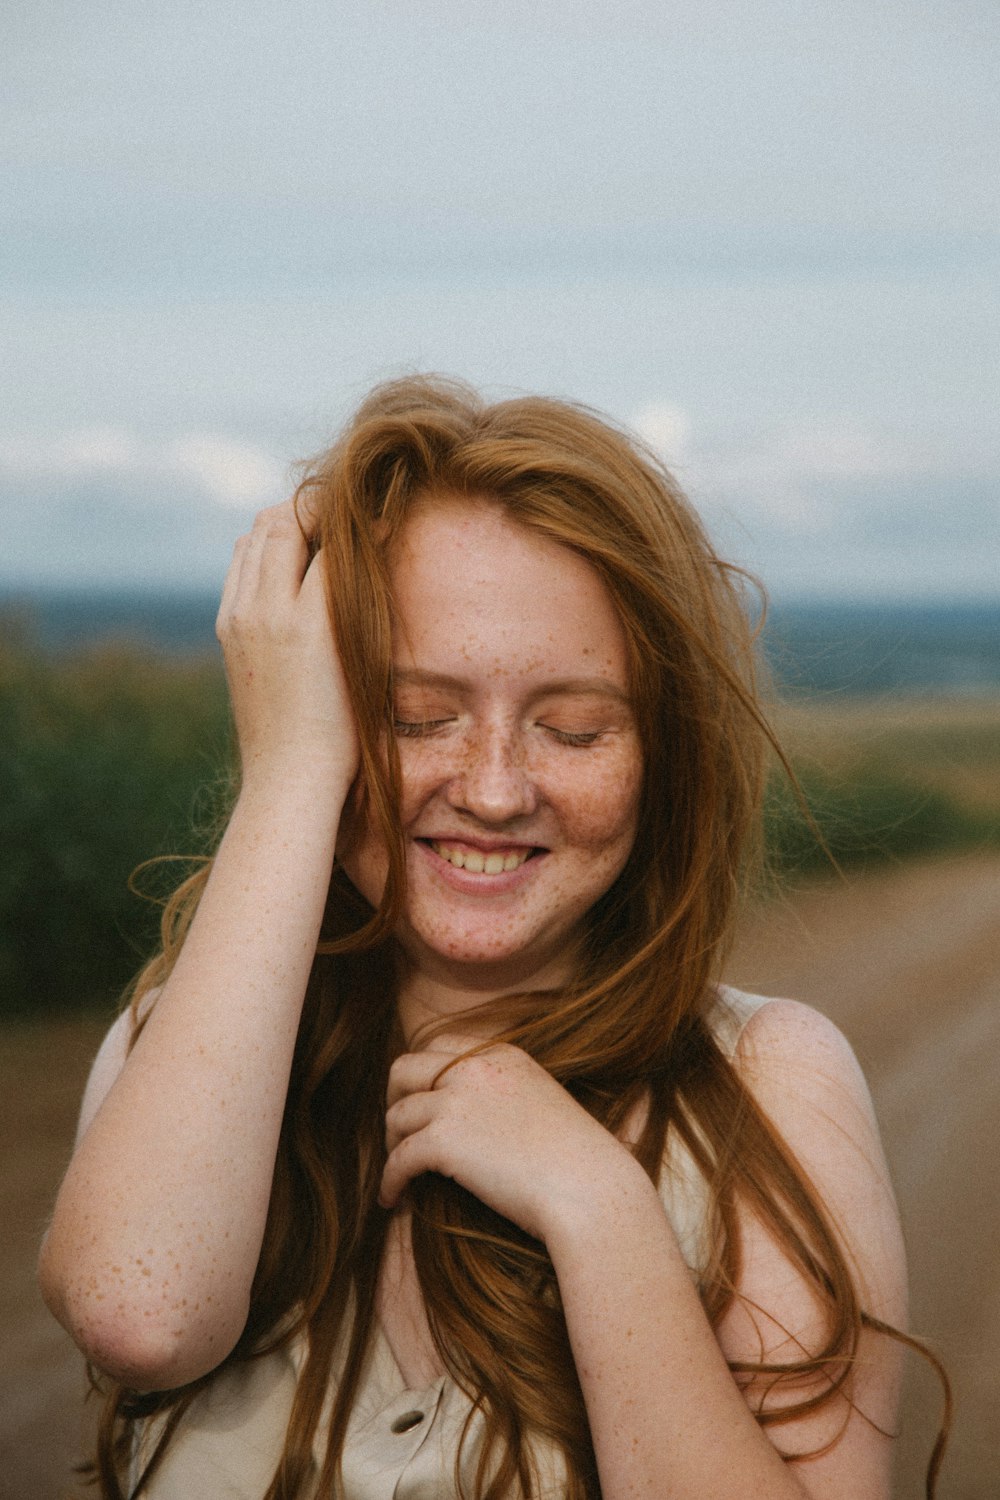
<point>487,961</point>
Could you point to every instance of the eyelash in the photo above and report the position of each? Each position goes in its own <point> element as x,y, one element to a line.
<point>412,729</point>
<point>416,728</point>
<point>567,737</point>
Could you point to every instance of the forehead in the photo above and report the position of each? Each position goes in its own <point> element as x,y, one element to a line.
<point>473,585</point>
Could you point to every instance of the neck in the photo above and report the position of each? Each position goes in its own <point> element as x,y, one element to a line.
<point>429,997</point>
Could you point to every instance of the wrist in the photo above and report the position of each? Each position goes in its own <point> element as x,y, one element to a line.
<point>598,1203</point>
<point>296,779</point>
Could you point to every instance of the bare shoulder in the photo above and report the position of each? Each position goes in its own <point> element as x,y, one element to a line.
<point>788,1053</point>
<point>804,1075</point>
<point>107,1065</point>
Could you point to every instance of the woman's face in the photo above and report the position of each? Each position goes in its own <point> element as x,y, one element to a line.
<point>521,763</point>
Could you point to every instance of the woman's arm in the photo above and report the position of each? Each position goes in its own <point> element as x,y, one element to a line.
<point>158,1225</point>
<point>666,1416</point>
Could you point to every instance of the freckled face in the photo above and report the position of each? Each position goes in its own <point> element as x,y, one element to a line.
<point>521,762</point>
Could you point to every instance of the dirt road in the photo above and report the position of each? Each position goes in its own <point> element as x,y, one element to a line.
<point>908,963</point>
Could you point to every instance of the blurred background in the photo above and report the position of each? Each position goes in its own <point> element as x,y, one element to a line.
<point>763,235</point>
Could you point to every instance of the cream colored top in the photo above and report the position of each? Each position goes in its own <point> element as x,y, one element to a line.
<point>400,1443</point>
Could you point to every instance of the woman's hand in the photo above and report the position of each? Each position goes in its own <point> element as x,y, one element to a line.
<point>287,688</point>
<point>158,1227</point>
<point>503,1128</point>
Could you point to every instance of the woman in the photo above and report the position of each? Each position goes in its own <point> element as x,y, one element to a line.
<point>456,1171</point>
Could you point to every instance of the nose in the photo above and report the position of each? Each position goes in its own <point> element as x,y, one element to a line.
<point>494,783</point>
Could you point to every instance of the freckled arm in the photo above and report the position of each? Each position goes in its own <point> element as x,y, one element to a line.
<point>157,1228</point>
<point>159,1222</point>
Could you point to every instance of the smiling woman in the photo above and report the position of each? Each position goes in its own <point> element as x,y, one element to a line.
<point>519,755</point>
<point>431,1156</point>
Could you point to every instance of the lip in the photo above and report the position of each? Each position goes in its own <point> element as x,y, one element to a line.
<point>469,882</point>
<point>483,845</point>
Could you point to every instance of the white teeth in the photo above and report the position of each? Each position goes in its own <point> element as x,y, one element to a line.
<point>478,863</point>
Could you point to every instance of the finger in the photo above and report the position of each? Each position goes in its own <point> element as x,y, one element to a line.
<point>284,558</point>
<point>275,556</point>
<point>313,582</point>
<point>250,568</point>
<point>306,507</point>
<point>408,1115</point>
<point>413,1073</point>
<point>414,1155</point>
<point>230,587</point>
<point>421,1070</point>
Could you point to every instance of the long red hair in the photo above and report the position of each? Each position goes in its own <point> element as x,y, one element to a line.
<point>630,1030</point>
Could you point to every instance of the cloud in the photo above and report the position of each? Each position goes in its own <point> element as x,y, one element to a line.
<point>234,474</point>
<point>842,504</point>
<point>666,428</point>
<point>805,479</point>
<point>223,471</point>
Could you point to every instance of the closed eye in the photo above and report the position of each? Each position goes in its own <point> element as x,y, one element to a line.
<point>570,737</point>
<point>414,728</point>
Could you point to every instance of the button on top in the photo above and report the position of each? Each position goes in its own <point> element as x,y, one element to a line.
<point>407,1421</point>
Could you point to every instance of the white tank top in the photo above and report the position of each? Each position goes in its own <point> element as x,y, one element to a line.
<point>400,1444</point>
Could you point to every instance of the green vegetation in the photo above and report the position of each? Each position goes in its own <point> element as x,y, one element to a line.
<point>886,779</point>
<point>106,758</point>
<point>111,756</point>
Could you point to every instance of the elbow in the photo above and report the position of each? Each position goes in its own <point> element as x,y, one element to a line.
<point>142,1342</point>
<point>146,1358</point>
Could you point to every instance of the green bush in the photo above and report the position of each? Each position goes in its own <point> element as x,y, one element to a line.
<point>107,757</point>
<point>875,813</point>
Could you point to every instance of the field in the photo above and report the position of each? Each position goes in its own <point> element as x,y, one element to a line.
<point>946,746</point>
<point>903,951</point>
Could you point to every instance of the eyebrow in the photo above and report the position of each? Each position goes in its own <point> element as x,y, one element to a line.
<point>576,686</point>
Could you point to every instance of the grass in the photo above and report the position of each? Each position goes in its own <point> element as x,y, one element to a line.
<point>888,778</point>
<point>110,756</point>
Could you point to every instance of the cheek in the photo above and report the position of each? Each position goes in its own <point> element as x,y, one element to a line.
<point>423,769</point>
<point>605,805</point>
<point>361,851</point>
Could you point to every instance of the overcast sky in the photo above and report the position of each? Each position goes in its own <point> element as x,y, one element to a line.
<point>765,233</point>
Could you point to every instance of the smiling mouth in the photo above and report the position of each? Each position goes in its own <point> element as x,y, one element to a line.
<point>478,862</point>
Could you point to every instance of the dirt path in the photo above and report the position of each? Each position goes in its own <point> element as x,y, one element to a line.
<point>42,1070</point>
<point>908,963</point>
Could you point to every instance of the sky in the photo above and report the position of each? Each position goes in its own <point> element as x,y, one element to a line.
<point>763,234</point>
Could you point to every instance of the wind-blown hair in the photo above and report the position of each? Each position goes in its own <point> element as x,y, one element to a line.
<point>629,1032</point>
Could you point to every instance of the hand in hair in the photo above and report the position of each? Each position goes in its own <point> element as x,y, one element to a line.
<point>494,1120</point>
<point>290,704</point>
<point>157,1231</point>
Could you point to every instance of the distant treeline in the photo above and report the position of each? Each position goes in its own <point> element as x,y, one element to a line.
<point>811,647</point>
<point>111,754</point>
